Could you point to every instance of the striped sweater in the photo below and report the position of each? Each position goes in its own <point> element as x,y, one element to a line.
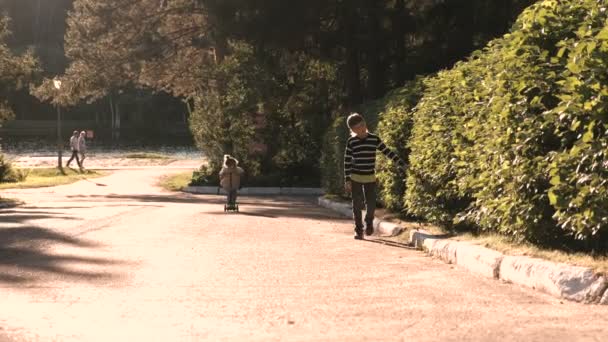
<point>360,155</point>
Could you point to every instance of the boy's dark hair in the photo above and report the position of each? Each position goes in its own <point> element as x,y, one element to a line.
<point>354,119</point>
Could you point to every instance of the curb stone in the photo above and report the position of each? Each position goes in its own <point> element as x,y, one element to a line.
<point>382,228</point>
<point>442,249</point>
<point>478,259</point>
<point>575,283</point>
<point>560,280</point>
<point>417,237</point>
<point>342,208</point>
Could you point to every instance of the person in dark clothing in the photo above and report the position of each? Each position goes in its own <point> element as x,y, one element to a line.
<point>74,147</point>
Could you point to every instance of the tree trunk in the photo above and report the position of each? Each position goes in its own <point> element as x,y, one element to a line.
<point>399,32</point>
<point>111,117</point>
<point>352,67</point>
<point>374,58</point>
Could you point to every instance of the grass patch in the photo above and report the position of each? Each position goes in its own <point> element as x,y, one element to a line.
<point>47,177</point>
<point>176,182</point>
<point>146,155</point>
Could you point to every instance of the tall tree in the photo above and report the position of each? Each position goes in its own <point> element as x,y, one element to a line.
<point>15,70</point>
<point>303,59</point>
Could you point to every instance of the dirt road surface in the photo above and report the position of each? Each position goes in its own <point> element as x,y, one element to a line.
<point>122,260</point>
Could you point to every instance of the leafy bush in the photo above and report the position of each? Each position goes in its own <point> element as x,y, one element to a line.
<point>514,139</point>
<point>205,175</point>
<point>208,176</point>
<point>332,157</point>
<point>395,124</point>
<point>270,112</point>
<point>432,192</point>
<point>8,174</point>
<point>579,170</point>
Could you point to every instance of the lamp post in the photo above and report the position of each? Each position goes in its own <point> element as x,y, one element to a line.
<point>57,85</point>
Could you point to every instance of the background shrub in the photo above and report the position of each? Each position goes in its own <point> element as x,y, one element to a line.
<point>9,174</point>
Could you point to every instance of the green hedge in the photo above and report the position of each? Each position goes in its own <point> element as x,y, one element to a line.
<point>395,124</point>
<point>208,176</point>
<point>512,140</point>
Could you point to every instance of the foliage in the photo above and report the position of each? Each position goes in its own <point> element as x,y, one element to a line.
<point>9,174</point>
<point>395,127</point>
<point>316,56</point>
<point>206,176</point>
<point>15,70</point>
<point>512,140</point>
<point>332,157</point>
<point>518,132</point>
<point>431,192</point>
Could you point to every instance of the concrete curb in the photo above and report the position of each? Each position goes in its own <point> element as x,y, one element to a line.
<point>382,228</point>
<point>442,249</point>
<point>214,190</point>
<point>579,284</point>
<point>480,260</point>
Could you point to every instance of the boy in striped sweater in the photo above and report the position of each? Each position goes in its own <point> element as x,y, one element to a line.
<point>360,171</point>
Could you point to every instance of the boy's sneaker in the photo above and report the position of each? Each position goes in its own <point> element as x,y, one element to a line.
<point>358,234</point>
<point>369,230</point>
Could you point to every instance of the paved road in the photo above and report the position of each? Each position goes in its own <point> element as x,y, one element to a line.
<point>121,260</point>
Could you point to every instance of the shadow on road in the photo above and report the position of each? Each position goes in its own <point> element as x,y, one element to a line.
<point>25,257</point>
<point>390,243</point>
<point>22,216</point>
<point>258,206</point>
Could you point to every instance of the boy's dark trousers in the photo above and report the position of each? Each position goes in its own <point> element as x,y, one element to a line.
<point>232,196</point>
<point>364,196</point>
<point>74,155</point>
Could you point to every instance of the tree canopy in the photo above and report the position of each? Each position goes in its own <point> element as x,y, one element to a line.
<point>15,70</point>
<point>261,79</point>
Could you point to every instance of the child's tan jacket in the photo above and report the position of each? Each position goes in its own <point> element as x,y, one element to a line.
<point>230,178</point>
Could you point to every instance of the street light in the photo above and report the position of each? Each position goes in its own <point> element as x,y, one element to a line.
<point>57,85</point>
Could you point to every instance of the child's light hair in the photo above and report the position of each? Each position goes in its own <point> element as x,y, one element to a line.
<point>230,161</point>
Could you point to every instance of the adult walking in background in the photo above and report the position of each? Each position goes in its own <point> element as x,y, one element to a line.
<point>74,147</point>
<point>82,147</point>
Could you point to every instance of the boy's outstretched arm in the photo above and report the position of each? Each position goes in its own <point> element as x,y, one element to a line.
<point>390,154</point>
